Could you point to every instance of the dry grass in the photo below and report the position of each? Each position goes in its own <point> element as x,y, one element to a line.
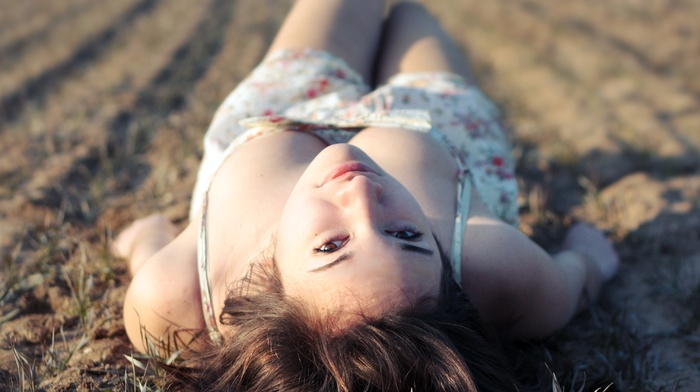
<point>103,106</point>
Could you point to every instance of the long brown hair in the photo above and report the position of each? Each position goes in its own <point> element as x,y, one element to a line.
<point>274,343</point>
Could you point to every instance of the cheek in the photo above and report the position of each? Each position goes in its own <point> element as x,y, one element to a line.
<point>294,221</point>
<point>293,208</point>
<point>404,200</point>
<point>427,279</point>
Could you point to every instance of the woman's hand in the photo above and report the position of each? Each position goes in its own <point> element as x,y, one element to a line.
<point>142,239</point>
<point>591,242</point>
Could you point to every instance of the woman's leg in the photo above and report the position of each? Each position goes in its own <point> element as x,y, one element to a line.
<point>350,29</point>
<point>413,41</point>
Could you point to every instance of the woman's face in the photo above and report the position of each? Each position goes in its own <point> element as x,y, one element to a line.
<point>353,239</point>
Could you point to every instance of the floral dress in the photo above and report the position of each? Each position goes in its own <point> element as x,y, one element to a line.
<point>314,91</point>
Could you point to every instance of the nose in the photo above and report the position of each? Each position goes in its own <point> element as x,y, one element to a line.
<point>361,195</point>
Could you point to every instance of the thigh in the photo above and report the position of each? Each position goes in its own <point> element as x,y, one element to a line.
<point>413,41</point>
<point>349,29</point>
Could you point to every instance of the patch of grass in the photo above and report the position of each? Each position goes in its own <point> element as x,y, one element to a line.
<point>158,352</point>
<point>607,350</point>
<point>692,303</point>
<point>10,276</point>
<point>143,379</point>
<point>26,371</point>
<point>630,359</point>
<point>53,358</point>
<point>105,257</point>
<point>56,358</point>
<point>51,242</point>
<point>81,285</point>
<point>557,387</point>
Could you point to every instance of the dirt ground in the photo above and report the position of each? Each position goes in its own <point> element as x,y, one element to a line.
<point>103,105</point>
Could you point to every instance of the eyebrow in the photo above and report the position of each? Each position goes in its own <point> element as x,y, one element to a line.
<point>348,255</point>
<point>333,263</point>
<point>416,249</point>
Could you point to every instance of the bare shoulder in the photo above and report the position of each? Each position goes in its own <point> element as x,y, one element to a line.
<point>163,296</point>
<point>490,264</point>
<point>510,279</point>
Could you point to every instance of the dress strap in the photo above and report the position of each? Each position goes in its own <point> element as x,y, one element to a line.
<point>464,191</point>
<point>463,179</point>
<point>204,281</point>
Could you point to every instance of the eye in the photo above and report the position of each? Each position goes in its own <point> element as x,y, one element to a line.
<point>330,245</point>
<point>406,233</point>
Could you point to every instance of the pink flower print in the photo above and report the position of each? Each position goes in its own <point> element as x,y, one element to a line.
<point>350,113</point>
<point>323,84</point>
<point>386,104</point>
<point>340,74</point>
<point>304,127</point>
<point>275,119</point>
<point>472,126</point>
<point>504,175</point>
<point>504,199</point>
<point>389,102</point>
<point>311,93</point>
<point>497,161</point>
<point>268,112</point>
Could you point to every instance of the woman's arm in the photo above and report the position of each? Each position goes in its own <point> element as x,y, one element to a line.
<point>142,239</point>
<point>523,290</point>
<point>163,296</point>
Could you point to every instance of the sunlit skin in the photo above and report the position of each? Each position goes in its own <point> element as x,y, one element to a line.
<point>357,243</point>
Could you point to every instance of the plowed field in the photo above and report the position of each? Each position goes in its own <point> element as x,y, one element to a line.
<point>103,105</point>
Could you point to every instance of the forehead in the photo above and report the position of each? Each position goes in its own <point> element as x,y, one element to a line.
<point>366,285</point>
<point>355,303</point>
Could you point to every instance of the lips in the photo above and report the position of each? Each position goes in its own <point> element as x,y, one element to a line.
<point>345,168</point>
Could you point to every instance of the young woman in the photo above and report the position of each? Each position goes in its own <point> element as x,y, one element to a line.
<point>354,222</point>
